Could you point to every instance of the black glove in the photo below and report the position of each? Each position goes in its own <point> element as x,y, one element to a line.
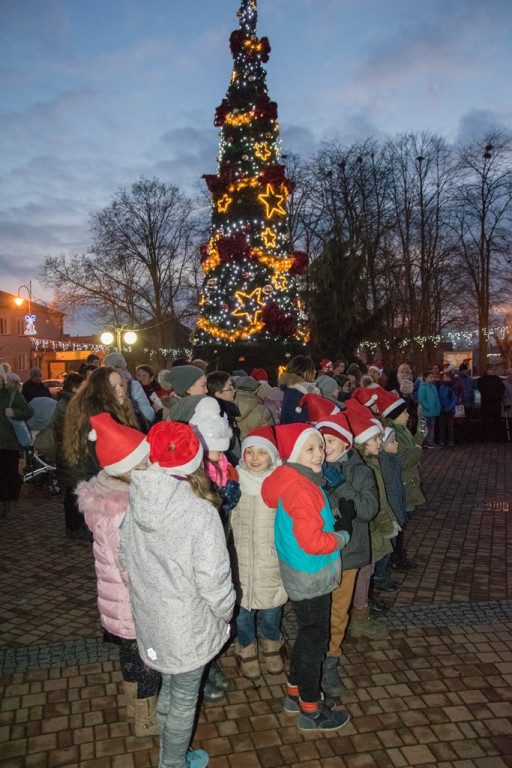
<point>347,513</point>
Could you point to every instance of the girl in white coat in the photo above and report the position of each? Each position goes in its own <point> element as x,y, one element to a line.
<point>174,550</point>
<point>261,591</point>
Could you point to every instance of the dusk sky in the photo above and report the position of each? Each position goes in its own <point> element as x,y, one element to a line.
<point>95,93</point>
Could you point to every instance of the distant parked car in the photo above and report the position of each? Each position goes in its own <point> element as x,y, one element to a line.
<point>54,385</point>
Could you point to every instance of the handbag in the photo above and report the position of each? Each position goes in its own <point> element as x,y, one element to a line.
<point>459,412</point>
<point>23,434</point>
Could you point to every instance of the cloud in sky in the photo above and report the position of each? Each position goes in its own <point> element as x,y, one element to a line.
<point>96,94</point>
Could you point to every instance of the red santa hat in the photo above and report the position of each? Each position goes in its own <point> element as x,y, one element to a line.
<point>447,368</point>
<point>317,407</point>
<point>375,367</point>
<point>364,395</point>
<point>362,427</point>
<point>260,375</point>
<point>325,363</point>
<point>119,449</point>
<point>337,425</point>
<point>263,437</point>
<point>389,405</point>
<point>291,438</point>
<point>175,447</point>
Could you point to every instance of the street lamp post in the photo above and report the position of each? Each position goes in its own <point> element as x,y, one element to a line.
<point>130,337</point>
<point>30,319</point>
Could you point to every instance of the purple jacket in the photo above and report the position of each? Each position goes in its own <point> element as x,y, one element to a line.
<point>103,500</point>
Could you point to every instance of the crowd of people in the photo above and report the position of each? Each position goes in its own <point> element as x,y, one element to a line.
<point>213,498</point>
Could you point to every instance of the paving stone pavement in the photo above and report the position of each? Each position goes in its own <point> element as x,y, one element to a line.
<point>437,692</point>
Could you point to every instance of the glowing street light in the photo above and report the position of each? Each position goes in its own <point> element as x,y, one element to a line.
<point>129,337</point>
<point>30,319</point>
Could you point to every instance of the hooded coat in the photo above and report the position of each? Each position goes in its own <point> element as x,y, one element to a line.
<point>382,526</point>
<point>410,448</point>
<point>103,501</point>
<point>174,550</point>
<point>253,413</point>
<point>294,388</point>
<point>252,523</point>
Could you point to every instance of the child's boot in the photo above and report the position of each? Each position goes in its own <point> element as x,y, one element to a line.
<point>292,700</point>
<point>196,758</point>
<point>145,717</point>
<point>331,683</point>
<point>130,694</point>
<point>363,624</point>
<point>247,660</point>
<point>273,653</point>
<point>217,677</point>
<point>318,717</point>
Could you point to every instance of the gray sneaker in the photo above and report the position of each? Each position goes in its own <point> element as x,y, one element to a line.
<point>292,703</point>
<point>322,719</point>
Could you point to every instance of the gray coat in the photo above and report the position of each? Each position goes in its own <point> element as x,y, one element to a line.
<point>174,551</point>
<point>360,487</point>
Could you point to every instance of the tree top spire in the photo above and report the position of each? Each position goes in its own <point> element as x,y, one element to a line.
<point>248,16</point>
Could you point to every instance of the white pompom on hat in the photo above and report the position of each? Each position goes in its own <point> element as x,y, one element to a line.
<point>212,429</point>
<point>119,449</point>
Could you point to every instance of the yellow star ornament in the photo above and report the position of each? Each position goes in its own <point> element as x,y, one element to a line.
<point>242,309</point>
<point>272,202</point>
<point>224,203</point>
<point>269,237</point>
<point>262,151</point>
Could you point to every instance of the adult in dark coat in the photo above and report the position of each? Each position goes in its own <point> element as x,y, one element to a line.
<point>34,386</point>
<point>492,390</point>
<point>12,405</point>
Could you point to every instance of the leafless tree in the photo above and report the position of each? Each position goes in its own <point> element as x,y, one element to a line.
<point>142,267</point>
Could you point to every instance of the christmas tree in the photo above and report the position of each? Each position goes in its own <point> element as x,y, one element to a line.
<point>249,296</point>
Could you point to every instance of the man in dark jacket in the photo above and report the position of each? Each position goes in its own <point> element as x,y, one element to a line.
<point>34,386</point>
<point>492,390</point>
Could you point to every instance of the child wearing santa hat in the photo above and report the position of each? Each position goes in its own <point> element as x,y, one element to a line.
<point>174,550</point>
<point>368,442</point>
<point>308,548</point>
<point>103,500</point>
<point>352,495</point>
<point>260,589</point>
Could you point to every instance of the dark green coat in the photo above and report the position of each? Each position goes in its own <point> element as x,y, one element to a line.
<point>410,448</point>
<point>22,411</point>
<point>381,527</point>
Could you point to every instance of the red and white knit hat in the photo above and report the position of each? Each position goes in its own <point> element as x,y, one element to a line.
<point>317,406</point>
<point>364,395</point>
<point>325,363</point>
<point>338,426</point>
<point>389,405</point>
<point>291,438</point>
<point>260,375</point>
<point>175,447</point>
<point>119,449</point>
<point>362,427</point>
<point>263,437</point>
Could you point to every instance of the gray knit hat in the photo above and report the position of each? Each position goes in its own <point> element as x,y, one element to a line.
<point>246,383</point>
<point>181,378</point>
<point>116,360</point>
<point>35,372</point>
<point>327,385</point>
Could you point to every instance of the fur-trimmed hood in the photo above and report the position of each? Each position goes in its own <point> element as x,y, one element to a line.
<point>297,382</point>
<point>102,496</point>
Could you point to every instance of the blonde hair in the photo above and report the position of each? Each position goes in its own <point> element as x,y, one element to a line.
<point>302,366</point>
<point>201,486</point>
<point>95,396</point>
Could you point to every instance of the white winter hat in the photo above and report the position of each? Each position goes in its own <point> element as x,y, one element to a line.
<point>212,429</point>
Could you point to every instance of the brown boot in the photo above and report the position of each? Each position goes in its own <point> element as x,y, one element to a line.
<point>145,717</point>
<point>247,660</point>
<point>130,694</point>
<point>273,653</point>
<point>363,624</point>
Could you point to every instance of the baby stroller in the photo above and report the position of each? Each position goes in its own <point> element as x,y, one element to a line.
<point>40,462</point>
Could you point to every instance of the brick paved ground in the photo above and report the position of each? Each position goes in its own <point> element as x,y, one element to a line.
<point>438,692</point>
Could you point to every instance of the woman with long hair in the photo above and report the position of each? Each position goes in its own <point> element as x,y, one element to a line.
<point>103,392</point>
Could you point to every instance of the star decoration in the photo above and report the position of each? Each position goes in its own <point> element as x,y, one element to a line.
<point>262,151</point>
<point>269,237</point>
<point>272,202</point>
<point>224,203</point>
<point>253,314</point>
<point>279,281</point>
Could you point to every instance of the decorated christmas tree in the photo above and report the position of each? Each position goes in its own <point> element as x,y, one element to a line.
<point>249,300</point>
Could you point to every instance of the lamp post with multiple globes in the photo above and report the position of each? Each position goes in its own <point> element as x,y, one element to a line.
<point>129,337</point>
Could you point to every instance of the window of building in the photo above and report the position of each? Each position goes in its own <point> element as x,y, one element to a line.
<point>22,363</point>
<point>4,326</point>
<point>20,325</point>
